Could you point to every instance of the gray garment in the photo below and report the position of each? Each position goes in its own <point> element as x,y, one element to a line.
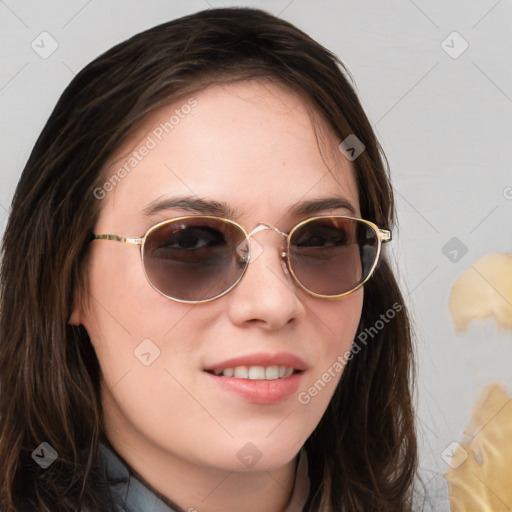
<point>131,495</point>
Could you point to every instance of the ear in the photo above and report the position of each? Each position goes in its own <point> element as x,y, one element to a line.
<point>74,319</point>
<point>76,312</point>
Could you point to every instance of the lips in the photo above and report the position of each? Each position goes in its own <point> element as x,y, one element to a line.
<point>259,378</point>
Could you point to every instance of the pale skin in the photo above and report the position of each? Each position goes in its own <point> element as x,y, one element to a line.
<point>251,146</point>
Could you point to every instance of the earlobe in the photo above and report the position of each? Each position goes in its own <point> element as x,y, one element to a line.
<point>75,318</point>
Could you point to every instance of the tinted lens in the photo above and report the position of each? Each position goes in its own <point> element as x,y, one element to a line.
<point>332,256</point>
<point>195,259</point>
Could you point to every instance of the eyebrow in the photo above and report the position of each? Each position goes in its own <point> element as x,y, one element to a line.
<point>321,205</point>
<point>193,204</point>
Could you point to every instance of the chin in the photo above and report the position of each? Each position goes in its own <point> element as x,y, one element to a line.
<point>260,454</point>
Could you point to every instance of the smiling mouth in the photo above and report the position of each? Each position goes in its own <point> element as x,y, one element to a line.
<point>256,372</point>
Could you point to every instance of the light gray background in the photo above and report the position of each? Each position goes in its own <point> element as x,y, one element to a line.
<point>445,124</point>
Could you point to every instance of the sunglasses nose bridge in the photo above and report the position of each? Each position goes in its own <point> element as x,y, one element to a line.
<point>255,247</point>
<point>263,226</point>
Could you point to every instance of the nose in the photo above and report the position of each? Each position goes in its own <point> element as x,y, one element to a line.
<point>266,295</point>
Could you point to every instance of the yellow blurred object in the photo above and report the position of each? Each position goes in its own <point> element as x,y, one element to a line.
<point>482,291</point>
<point>480,479</point>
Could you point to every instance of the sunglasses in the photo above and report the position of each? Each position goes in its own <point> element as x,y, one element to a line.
<point>197,259</point>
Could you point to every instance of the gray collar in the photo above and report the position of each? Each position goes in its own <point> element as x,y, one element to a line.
<point>131,495</point>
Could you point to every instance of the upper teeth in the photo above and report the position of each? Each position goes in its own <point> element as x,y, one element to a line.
<point>256,372</point>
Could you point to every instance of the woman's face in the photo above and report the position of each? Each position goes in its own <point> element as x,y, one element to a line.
<point>251,148</point>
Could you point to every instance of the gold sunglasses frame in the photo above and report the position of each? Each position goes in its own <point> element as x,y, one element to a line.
<point>383,236</point>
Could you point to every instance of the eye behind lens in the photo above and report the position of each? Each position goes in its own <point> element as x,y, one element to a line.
<point>332,256</point>
<point>195,259</point>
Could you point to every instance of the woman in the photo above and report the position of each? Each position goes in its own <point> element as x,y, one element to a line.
<point>254,352</point>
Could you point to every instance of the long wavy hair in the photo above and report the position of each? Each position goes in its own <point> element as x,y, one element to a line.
<point>363,453</point>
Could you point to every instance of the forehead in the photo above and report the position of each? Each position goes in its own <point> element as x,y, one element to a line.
<point>258,147</point>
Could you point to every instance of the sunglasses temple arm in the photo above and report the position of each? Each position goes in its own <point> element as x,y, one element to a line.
<point>385,235</point>
<point>115,238</point>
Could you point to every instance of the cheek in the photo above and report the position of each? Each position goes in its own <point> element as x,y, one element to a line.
<point>336,325</point>
<point>337,321</point>
<point>125,317</point>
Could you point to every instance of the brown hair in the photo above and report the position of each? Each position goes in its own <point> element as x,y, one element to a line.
<point>362,455</point>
